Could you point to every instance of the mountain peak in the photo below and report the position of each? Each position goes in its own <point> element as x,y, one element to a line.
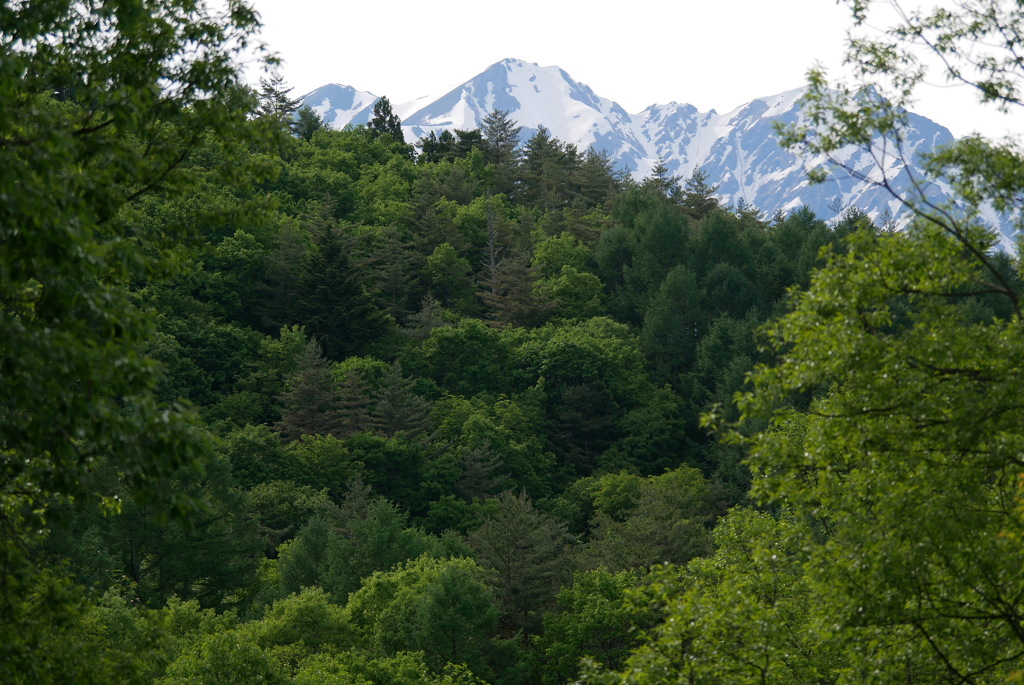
<point>513,62</point>
<point>340,105</point>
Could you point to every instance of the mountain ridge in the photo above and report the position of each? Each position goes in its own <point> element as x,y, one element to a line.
<point>737,150</point>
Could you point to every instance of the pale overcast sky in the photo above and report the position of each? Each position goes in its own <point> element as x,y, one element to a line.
<point>709,53</point>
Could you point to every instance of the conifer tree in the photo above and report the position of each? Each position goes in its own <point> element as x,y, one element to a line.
<point>396,406</point>
<point>698,198</point>
<point>307,122</point>
<point>312,403</point>
<point>274,100</point>
<point>391,262</point>
<point>481,477</point>
<point>510,296</point>
<point>333,303</point>
<point>434,148</point>
<point>355,503</point>
<point>549,169</point>
<point>385,122</point>
<point>354,404</point>
<point>495,250</point>
<point>466,141</point>
<point>278,291</point>
<point>501,139</point>
<point>596,179</point>
<point>501,148</point>
<point>377,540</point>
<point>304,561</point>
<point>664,183</point>
<point>583,425</point>
<point>430,316</point>
<point>673,324</point>
<point>448,146</point>
<point>525,554</point>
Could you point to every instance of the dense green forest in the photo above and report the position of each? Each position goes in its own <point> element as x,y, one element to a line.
<point>286,404</point>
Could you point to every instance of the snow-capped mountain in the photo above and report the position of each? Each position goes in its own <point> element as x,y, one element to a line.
<point>340,106</point>
<point>738,151</point>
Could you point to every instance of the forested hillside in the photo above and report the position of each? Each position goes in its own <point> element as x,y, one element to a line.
<point>288,404</point>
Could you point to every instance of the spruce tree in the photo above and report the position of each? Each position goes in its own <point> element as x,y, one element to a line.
<point>673,324</point>
<point>311,405</point>
<point>391,262</point>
